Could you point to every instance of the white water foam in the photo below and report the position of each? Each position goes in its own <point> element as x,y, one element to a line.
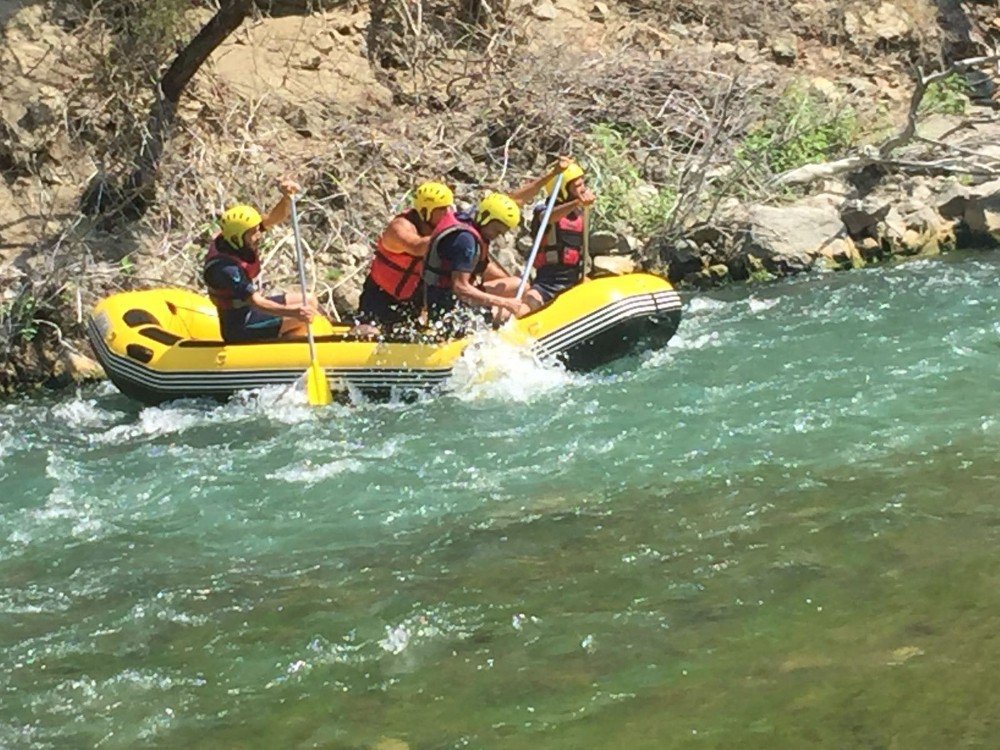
<point>442,621</point>
<point>396,639</point>
<point>154,421</point>
<point>82,413</point>
<point>66,502</point>
<point>281,404</point>
<point>308,473</point>
<point>286,404</point>
<point>683,342</point>
<point>705,304</point>
<point>7,446</point>
<point>760,305</point>
<point>492,368</point>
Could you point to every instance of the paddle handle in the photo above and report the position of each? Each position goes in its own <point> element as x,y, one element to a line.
<point>300,261</point>
<point>538,237</point>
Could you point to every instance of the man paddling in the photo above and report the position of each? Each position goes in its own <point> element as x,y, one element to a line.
<point>559,263</point>
<point>233,264</point>
<point>389,294</point>
<point>392,293</point>
<point>458,266</point>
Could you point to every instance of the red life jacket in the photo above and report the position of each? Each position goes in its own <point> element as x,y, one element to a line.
<point>397,274</point>
<point>437,270</point>
<point>563,242</point>
<point>220,252</point>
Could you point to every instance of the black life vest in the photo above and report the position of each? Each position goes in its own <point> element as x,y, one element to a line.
<point>437,270</point>
<point>220,253</point>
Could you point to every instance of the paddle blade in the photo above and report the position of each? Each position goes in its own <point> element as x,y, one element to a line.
<point>317,386</point>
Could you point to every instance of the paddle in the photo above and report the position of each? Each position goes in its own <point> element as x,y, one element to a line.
<point>317,386</point>
<point>538,238</point>
<point>586,243</point>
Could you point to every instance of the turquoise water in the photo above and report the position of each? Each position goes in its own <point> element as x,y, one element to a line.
<point>779,531</point>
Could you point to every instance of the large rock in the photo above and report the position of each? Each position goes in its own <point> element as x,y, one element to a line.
<point>80,367</point>
<point>599,12</point>
<point>747,51</point>
<point>358,251</point>
<point>545,10</point>
<point>842,253</point>
<point>789,239</point>
<point>913,227</point>
<point>785,48</point>
<point>613,264</point>
<point>603,242</point>
<point>826,89</point>
<point>977,207</point>
<point>347,293</point>
<point>886,22</point>
<point>683,258</point>
<point>861,217</point>
<point>983,217</point>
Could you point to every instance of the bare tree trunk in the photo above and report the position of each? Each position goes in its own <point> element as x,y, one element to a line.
<point>142,182</point>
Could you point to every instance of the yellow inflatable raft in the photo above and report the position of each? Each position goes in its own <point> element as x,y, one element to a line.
<point>163,344</point>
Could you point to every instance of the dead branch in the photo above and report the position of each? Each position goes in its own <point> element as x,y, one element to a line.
<point>917,97</point>
<point>882,154</point>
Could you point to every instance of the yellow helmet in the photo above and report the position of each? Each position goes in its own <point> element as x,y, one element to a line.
<point>432,195</point>
<point>499,207</point>
<point>236,221</point>
<point>572,172</point>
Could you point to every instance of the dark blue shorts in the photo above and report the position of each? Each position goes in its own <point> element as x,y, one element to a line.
<point>248,324</point>
<point>551,281</point>
<point>378,307</point>
<point>547,292</point>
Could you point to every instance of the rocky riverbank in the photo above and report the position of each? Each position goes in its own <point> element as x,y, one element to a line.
<point>868,216</point>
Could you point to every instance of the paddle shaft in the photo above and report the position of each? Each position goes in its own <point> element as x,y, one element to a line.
<point>538,237</point>
<point>586,242</point>
<point>302,274</point>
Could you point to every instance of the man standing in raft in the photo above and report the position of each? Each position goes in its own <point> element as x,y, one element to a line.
<point>458,261</point>
<point>389,295</point>
<point>559,263</point>
<point>232,265</point>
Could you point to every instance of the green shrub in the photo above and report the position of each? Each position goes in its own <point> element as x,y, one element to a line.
<point>948,96</point>
<point>625,200</point>
<point>803,128</point>
<point>17,317</point>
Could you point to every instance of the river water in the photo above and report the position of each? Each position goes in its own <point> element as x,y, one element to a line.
<point>779,531</point>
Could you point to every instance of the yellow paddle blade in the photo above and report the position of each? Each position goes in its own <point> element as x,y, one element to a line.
<point>317,386</point>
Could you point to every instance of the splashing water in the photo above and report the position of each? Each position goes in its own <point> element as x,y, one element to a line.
<point>494,368</point>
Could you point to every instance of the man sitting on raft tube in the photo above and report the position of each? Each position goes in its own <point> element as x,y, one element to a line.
<point>389,294</point>
<point>559,263</point>
<point>233,263</point>
<point>458,267</point>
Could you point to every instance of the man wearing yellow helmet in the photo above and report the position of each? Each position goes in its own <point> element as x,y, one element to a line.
<point>458,266</point>
<point>559,263</point>
<point>458,259</point>
<point>389,292</point>
<point>233,264</point>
